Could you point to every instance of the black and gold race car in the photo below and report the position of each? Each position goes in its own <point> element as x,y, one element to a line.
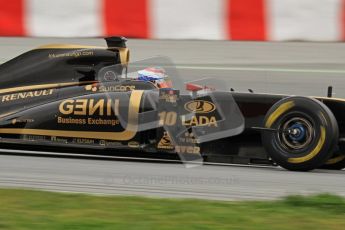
<point>85,99</point>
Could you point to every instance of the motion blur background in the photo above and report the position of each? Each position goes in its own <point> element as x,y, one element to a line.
<point>259,20</point>
<point>275,46</point>
<point>266,45</point>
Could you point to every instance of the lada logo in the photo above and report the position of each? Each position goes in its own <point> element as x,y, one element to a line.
<point>200,106</point>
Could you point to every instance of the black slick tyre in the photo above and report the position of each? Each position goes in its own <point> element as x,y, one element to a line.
<point>301,133</point>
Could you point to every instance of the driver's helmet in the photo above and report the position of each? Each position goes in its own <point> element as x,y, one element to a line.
<point>155,75</point>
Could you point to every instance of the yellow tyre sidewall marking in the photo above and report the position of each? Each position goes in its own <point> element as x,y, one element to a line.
<point>314,152</point>
<point>279,111</point>
<point>335,160</point>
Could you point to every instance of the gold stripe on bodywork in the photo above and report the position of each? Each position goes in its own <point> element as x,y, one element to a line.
<point>7,114</point>
<point>335,160</point>
<point>43,86</point>
<point>279,111</point>
<point>127,134</point>
<point>314,152</point>
<point>124,55</point>
<point>329,98</point>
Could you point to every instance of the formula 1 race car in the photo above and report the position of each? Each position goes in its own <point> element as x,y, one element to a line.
<point>85,98</point>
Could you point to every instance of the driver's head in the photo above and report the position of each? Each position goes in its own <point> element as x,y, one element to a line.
<point>156,75</point>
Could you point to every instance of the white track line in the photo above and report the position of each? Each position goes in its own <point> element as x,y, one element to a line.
<point>287,70</point>
<point>255,69</point>
<point>81,155</point>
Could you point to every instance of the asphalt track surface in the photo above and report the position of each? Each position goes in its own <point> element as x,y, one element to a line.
<point>289,68</point>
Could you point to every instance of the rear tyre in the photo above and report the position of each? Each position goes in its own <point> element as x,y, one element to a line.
<point>305,133</point>
<point>336,162</point>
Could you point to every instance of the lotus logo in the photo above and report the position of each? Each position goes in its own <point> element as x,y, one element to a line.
<point>111,76</point>
<point>199,106</point>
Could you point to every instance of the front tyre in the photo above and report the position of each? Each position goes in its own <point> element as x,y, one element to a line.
<point>302,135</point>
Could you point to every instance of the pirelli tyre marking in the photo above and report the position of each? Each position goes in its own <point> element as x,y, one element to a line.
<point>314,152</point>
<point>279,111</point>
<point>127,134</point>
<point>335,160</point>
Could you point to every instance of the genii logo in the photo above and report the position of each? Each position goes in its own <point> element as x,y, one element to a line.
<point>200,106</point>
